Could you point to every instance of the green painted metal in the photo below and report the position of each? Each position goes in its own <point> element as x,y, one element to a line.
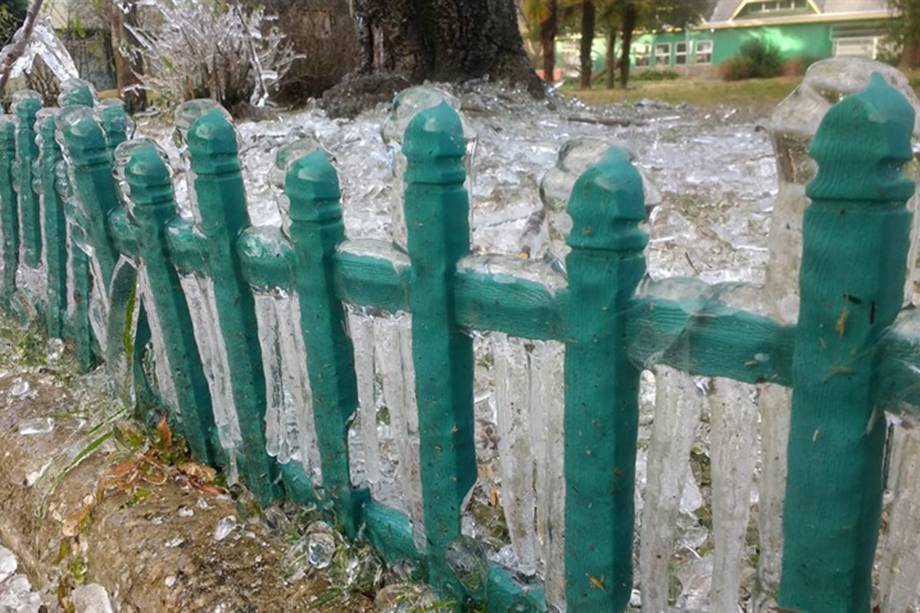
<point>9,213</point>
<point>316,229</point>
<point>601,384</point>
<point>221,201</point>
<point>123,233</point>
<point>856,238</point>
<point>188,248</point>
<point>55,228</point>
<point>115,122</point>
<point>77,92</point>
<point>437,219</point>
<point>153,208</point>
<point>95,191</point>
<point>26,153</point>
<point>267,258</point>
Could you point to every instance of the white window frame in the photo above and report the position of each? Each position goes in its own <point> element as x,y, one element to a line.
<point>696,51</point>
<point>642,54</point>
<point>678,54</point>
<point>657,53</point>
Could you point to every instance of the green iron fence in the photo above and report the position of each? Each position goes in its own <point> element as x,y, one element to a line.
<point>850,357</point>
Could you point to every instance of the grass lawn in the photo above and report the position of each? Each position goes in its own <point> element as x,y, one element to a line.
<point>751,93</point>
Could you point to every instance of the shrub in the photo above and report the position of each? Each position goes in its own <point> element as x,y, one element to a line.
<point>757,59</point>
<point>205,49</point>
<point>796,66</point>
<point>656,75</point>
<point>737,68</point>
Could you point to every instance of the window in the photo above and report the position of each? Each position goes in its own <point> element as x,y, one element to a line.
<point>642,55</point>
<point>680,53</point>
<point>772,7</point>
<point>663,53</point>
<point>703,51</point>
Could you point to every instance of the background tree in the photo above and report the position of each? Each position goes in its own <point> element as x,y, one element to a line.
<point>906,31</point>
<point>129,63</point>
<point>408,41</point>
<point>18,44</point>
<point>587,42</point>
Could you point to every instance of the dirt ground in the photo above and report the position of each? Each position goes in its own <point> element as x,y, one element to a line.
<point>86,498</point>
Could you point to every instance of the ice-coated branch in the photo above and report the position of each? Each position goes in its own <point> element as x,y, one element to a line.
<point>15,49</point>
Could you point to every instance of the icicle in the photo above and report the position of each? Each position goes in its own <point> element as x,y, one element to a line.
<point>900,558</point>
<point>393,352</point>
<point>361,327</point>
<point>774,405</point>
<point>547,365</point>
<point>516,460</point>
<point>161,369</point>
<point>199,293</point>
<point>733,408</point>
<point>677,413</point>
<point>289,430</point>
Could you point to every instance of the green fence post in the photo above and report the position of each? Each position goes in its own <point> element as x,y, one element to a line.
<point>152,208</point>
<point>437,220</point>
<point>221,202</point>
<point>315,231</point>
<point>856,238</point>
<point>80,327</point>
<point>77,92</point>
<point>601,385</point>
<point>55,230</point>
<point>25,105</point>
<point>95,191</point>
<point>9,214</point>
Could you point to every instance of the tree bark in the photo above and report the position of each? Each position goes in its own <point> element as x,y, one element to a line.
<point>548,41</point>
<point>128,62</point>
<point>630,16</point>
<point>587,41</point>
<point>15,49</point>
<point>910,56</point>
<point>610,63</point>
<point>410,41</point>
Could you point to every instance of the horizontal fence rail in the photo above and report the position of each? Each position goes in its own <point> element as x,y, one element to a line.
<point>97,216</point>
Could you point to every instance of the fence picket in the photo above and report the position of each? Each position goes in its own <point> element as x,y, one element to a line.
<point>856,239</point>
<point>221,202</point>
<point>316,229</point>
<point>601,385</point>
<point>9,214</point>
<point>25,107</point>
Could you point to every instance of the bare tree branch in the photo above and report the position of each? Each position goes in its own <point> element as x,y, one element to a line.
<point>15,49</point>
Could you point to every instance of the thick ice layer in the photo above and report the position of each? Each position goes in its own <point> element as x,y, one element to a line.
<point>733,410</point>
<point>678,403</point>
<point>289,429</point>
<point>199,293</point>
<point>161,368</point>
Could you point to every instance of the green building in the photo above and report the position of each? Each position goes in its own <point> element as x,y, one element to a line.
<point>807,29</point>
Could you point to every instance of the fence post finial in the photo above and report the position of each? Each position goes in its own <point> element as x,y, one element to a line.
<point>601,385</point>
<point>222,215</point>
<point>437,224</point>
<point>856,235</point>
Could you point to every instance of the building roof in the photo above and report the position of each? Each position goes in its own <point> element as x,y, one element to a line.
<point>726,9</point>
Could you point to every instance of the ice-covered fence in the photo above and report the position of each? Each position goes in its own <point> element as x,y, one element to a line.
<point>222,300</point>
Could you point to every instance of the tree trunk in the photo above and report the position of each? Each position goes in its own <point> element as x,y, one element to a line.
<point>12,52</point>
<point>548,41</point>
<point>610,63</point>
<point>630,15</point>
<point>128,61</point>
<point>910,57</point>
<point>587,41</point>
<point>411,41</point>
